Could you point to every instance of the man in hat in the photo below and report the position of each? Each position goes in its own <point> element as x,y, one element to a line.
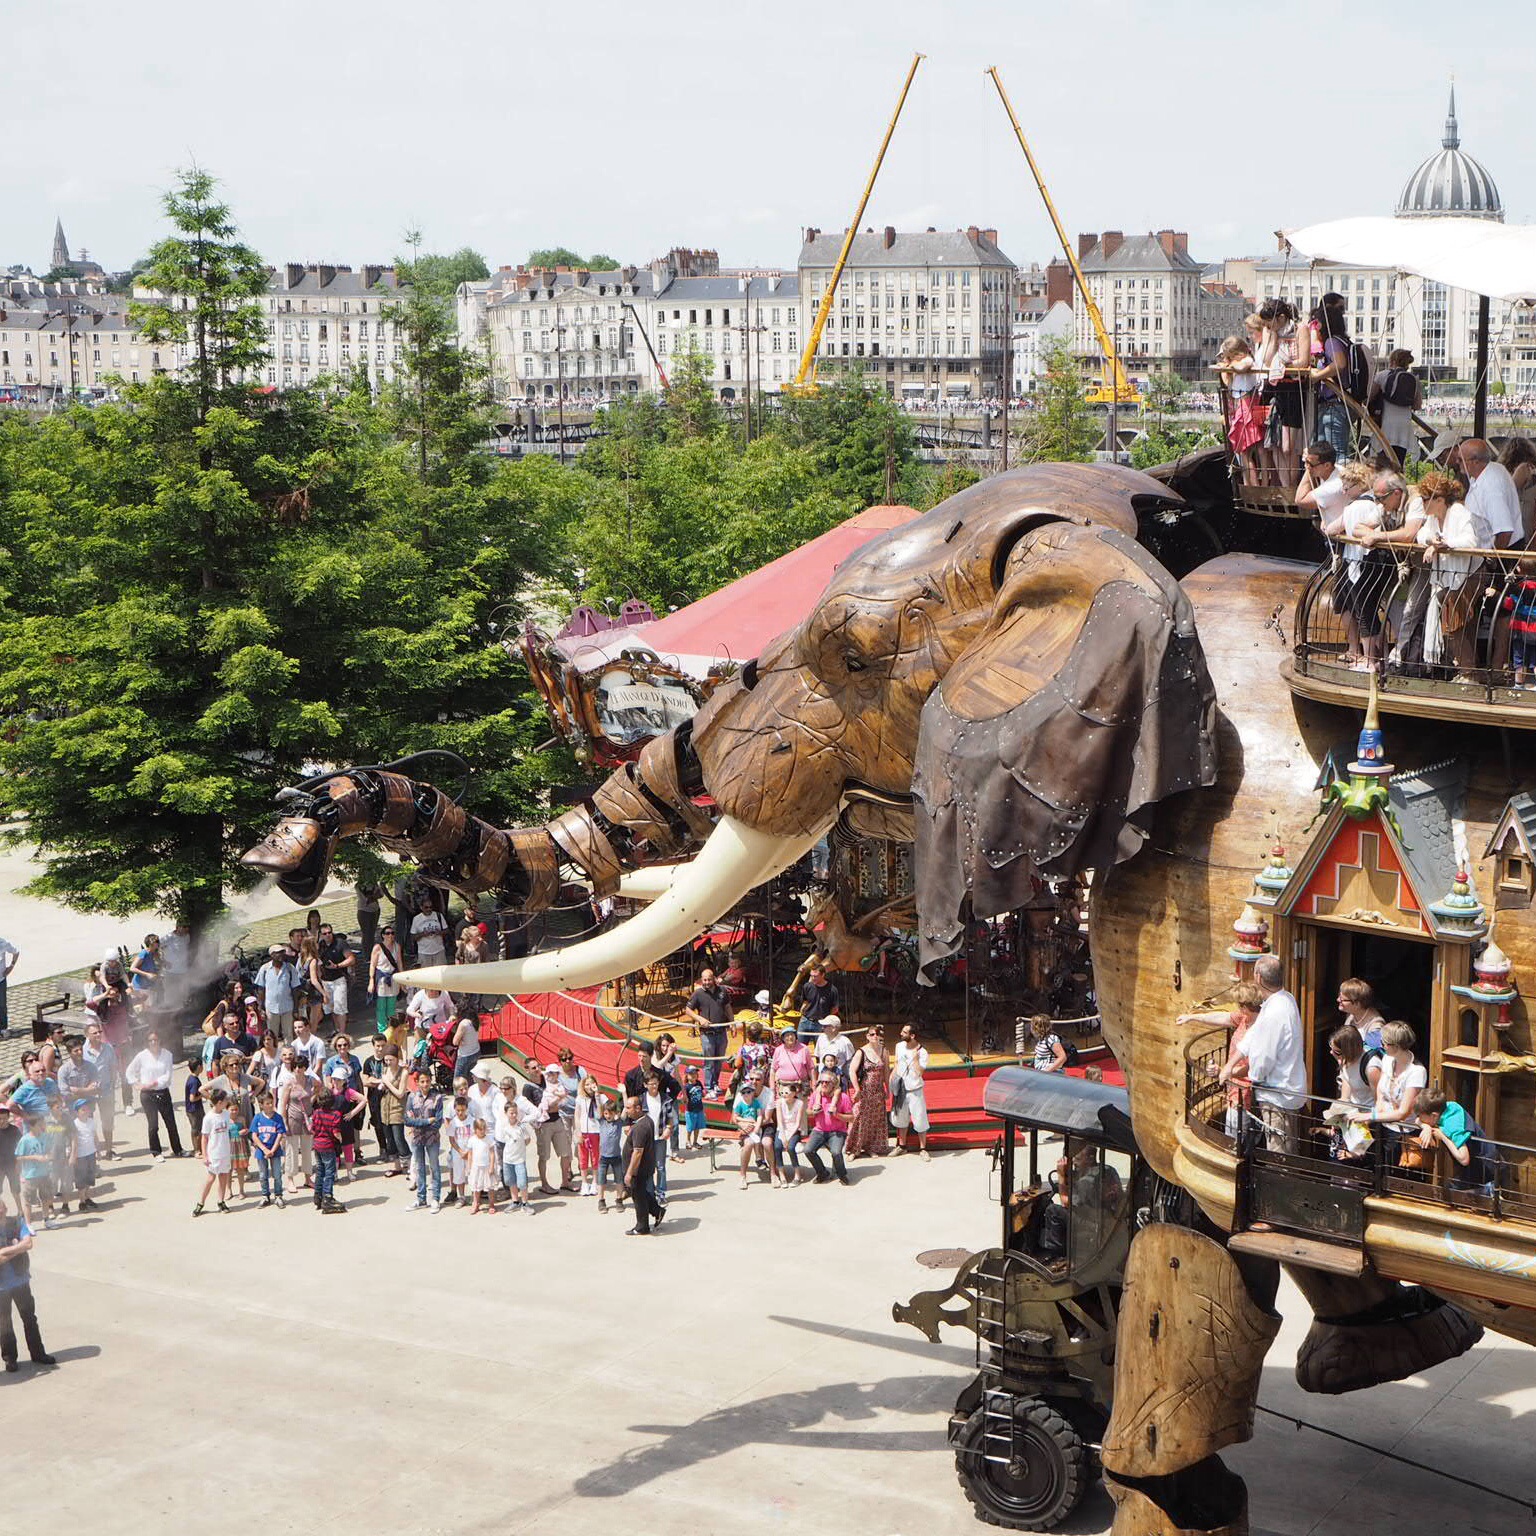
<point>791,1061</point>
<point>486,1100</point>
<point>278,978</point>
<point>554,1130</point>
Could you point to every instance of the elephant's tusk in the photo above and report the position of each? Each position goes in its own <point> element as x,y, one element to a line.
<point>647,884</point>
<point>734,860</point>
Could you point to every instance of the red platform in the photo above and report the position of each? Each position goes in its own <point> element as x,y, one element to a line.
<point>543,1024</point>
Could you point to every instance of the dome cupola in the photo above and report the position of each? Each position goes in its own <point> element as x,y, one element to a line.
<point>1450,184</point>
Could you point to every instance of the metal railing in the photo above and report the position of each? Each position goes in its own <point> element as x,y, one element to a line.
<point>1450,624</point>
<point>1308,1142</point>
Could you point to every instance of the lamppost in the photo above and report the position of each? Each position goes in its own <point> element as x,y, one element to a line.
<point>560,385</point>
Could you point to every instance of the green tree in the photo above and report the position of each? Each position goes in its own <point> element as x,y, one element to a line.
<point>692,407</point>
<point>207,281</point>
<point>198,606</point>
<point>1062,428</point>
<point>864,446</point>
<point>1163,395</point>
<point>1162,445</point>
<point>598,262</point>
<point>554,256</point>
<point>443,274</point>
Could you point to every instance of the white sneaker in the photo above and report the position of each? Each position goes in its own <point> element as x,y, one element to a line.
<point>159,1157</point>
<point>437,1205</point>
<point>924,1155</point>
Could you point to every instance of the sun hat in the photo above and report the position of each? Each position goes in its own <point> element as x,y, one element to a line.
<point>482,1070</point>
<point>764,998</point>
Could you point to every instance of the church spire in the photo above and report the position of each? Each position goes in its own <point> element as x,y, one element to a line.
<point>1452,136</point>
<point>60,245</point>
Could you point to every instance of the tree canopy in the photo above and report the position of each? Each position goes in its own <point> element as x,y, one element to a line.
<point>564,256</point>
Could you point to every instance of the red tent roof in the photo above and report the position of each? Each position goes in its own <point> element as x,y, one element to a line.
<point>736,622</point>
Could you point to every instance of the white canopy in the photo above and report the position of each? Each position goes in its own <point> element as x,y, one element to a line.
<point>1480,255</point>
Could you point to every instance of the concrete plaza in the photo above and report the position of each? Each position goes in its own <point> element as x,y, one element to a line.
<point>388,1370</point>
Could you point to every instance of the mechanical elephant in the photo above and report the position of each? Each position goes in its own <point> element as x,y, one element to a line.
<point>1011,681</point>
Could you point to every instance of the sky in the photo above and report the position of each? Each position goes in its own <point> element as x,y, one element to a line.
<point>336,125</point>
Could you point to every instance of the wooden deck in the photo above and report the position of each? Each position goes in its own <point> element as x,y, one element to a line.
<point>1422,697</point>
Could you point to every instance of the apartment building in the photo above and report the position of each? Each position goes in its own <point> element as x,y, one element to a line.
<point>924,314</point>
<point>1148,290</point>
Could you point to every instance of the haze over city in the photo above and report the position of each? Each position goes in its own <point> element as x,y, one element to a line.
<point>629,129</point>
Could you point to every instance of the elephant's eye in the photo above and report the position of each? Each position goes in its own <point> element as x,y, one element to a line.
<point>853,664</point>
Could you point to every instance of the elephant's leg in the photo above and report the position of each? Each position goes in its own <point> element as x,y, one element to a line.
<point>1189,1348</point>
<point>1367,1330</point>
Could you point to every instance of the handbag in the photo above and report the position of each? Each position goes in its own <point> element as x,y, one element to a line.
<point>898,1091</point>
<point>1413,1155</point>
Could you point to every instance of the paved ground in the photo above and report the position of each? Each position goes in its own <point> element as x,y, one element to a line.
<point>475,1374</point>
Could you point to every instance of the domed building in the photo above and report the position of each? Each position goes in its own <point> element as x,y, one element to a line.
<point>1439,324</point>
<point>1450,184</point>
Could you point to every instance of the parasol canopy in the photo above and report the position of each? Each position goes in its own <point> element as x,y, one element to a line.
<point>1482,256</point>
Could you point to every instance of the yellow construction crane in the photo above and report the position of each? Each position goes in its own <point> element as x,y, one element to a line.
<point>1117,388</point>
<point>805,377</point>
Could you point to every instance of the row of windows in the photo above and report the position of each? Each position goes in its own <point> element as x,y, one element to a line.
<point>908,349</point>
<point>322,307</point>
<point>890,280</point>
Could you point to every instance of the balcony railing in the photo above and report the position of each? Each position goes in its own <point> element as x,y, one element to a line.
<point>1308,1145</point>
<point>1444,633</point>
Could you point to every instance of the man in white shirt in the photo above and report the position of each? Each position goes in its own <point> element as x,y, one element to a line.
<point>307,1043</point>
<point>1492,493</point>
<point>1275,1056</point>
<point>1322,487</point>
<point>911,1063</point>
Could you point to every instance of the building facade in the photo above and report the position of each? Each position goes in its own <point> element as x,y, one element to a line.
<point>1148,290</point>
<point>925,315</point>
<point>325,320</point>
<point>1036,323</point>
<point>75,351</point>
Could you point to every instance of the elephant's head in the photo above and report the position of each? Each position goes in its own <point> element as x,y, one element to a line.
<point>1010,679</point>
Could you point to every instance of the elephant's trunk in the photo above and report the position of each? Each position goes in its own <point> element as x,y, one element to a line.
<point>734,860</point>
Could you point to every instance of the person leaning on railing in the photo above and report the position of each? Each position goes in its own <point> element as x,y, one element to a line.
<point>1450,524</point>
<point>1446,1123</point>
<point>1358,585</point>
<point>1246,1002</point>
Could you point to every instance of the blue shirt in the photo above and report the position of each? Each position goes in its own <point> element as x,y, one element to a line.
<point>33,1100</point>
<point>354,1068</point>
<point>145,962</point>
<point>192,1094</point>
<point>695,1097</point>
<point>32,1146</point>
<point>278,982</point>
<point>265,1129</point>
<point>16,1271</point>
<point>610,1138</point>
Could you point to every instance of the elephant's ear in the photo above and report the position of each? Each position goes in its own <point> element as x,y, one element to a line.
<point>1043,751</point>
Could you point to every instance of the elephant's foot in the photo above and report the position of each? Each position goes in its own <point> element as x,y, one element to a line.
<point>1207,1499</point>
<point>1405,1332</point>
<point>1189,1347</point>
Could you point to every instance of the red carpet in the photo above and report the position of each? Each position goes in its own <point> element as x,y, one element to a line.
<point>543,1024</point>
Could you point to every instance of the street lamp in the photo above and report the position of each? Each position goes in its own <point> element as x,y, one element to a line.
<point>560,384</point>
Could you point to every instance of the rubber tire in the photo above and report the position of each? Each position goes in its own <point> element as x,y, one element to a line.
<point>1061,1462</point>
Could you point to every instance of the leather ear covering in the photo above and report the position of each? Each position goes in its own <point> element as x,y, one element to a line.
<point>1114,711</point>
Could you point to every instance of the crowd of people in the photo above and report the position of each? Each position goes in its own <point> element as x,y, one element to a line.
<point>1380,1108</point>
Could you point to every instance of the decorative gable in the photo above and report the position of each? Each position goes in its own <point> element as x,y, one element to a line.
<point>1513,848</point>
<point>1354,874</point>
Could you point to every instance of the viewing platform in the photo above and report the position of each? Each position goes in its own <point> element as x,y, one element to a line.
<point>1291,1194</point>
<point>1384,603</point>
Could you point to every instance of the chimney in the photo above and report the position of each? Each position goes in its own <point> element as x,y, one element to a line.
<point>989,236</point>
<point>371,274</point>
<point>1058,283</point>
<point>1085,243</point>
<point>1165,239</point>
<point>1181,242</point>
<point>327,275</point>
<point>1113,240</point>
<point>972,233</point>
<point>890,236</point>
<point>295,274</point>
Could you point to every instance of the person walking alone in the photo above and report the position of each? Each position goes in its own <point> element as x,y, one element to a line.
<point>16,1291</point>
<point>150,1072</point>
<point>640,1167</point>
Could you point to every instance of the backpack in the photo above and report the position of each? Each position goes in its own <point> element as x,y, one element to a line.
<point>1356,378</point>
<point>1397,387</point>
<point>1071,1051</point>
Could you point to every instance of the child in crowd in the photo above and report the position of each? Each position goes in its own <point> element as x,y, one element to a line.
<point>789,1131</point>
<point>459,1130</point>
<point>1447,1123</point>
<point>610,1136</point>
<point>83,1127</point>
<point>1050,1055</point>
<point>325,1126</point>
<point>268,1134</point>
<point>240,1119</point>
<point>665,1059</point>
<point>215,1149</point>
<point>482,1167</point>
<point>36,1185</point>
<point>693,1108</point>
<point>519,1136</point>
<point>589,1109</point>
<point>192,1100</point>
<point>1243,378</point>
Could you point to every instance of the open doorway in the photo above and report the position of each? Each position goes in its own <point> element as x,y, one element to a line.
<point>1400,971</point>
